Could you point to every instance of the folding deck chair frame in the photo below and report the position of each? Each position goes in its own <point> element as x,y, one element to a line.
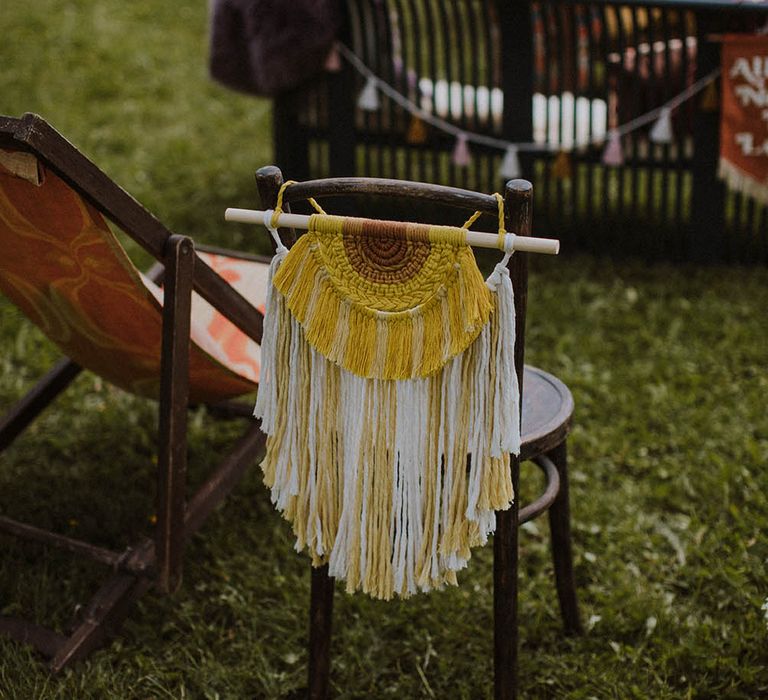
<point>154,560</point>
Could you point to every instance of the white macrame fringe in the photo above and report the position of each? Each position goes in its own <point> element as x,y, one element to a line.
<point>266,399</point>
<point>373,473</point>
<point>505,436</point>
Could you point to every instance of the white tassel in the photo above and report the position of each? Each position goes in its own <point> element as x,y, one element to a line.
<point>351,392</point>
<point>450,399</point>
<point>408,506</point>
<point>295,398</point>
<point>369,97</point>
<point>505,432</point>
<point>266,399</point>
<point>369,400</point>
<point>662,129</point>
<point>412,417</point>
<point>317,400</point>
<point>510,165</point>
<point>397,525</point>
<point>486,524</point>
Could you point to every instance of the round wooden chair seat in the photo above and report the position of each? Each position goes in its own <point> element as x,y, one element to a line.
<point>547,410</point>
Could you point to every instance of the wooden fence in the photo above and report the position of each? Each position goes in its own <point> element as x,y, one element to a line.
<point>552,72</point>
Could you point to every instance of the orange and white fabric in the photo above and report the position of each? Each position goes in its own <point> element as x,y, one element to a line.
<point>213,331</point>
<point>65,269</point>
<point>744,118</point>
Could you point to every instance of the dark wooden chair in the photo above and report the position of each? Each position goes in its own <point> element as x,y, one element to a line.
<point>64,268</point>
<point>546,417</point>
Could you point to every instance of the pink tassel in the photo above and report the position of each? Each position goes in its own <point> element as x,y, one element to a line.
<point>461,155</point>
<point>412,81</point>
<point>333,61</point>
<point>613,153</point>
<point>662,129</point>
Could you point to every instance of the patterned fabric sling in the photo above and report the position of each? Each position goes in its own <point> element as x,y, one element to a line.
<point>387,361</point>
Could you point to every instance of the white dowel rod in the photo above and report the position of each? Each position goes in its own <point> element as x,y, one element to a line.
<point>528,244</point>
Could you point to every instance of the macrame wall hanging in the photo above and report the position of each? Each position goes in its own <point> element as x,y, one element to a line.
<point>389,397</point>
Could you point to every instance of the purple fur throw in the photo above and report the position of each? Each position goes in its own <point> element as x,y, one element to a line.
<point>267,46</point>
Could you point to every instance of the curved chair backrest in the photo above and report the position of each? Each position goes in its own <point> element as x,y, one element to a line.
<point>66,270</point>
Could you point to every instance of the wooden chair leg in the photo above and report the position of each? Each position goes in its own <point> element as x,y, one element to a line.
<point>505,637</point>
<point>30,406</point>
<point>174,400</point>
<point>560,527</point>
<point>104,615</point>
<point>320,616</point>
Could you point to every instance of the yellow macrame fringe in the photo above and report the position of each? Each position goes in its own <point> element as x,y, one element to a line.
<point>342,313</point>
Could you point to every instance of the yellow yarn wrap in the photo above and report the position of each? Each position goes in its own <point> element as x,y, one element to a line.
<point>387,328</point>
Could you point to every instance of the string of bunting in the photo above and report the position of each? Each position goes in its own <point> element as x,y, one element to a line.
<point>660,133</point>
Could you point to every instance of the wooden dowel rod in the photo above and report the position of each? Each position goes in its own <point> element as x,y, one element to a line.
<point>479,239</point>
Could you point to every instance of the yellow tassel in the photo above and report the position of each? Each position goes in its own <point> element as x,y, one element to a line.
<point>400,347</point>
<point>424,573</point>
<point>417,131</point>
<point>710,99</point>
<point>455,536</point>
<point>562,169</point>
<point>328,309</point>
<point>328,499</point>
<point>432,351</point>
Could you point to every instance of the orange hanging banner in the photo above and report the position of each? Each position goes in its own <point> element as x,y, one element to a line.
<point>744,121</point>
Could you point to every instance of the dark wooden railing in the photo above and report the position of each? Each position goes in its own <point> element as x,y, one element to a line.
<point>549,71</point>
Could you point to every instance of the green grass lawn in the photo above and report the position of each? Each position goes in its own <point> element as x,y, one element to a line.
<point>669,370</point>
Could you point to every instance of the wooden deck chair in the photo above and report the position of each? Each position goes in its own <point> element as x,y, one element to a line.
<point>65,269</point>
